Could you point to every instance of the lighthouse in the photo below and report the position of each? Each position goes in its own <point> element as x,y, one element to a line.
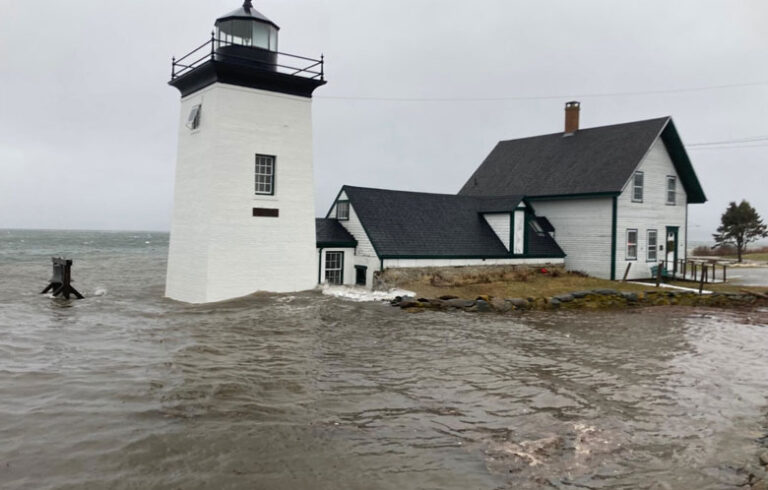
<point>243,209</point>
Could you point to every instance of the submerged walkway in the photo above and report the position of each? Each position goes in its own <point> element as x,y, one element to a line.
<point>670,286</point>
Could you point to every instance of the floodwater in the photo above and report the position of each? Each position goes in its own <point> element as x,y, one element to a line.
<point>748,276</point>
<point>128,390</point>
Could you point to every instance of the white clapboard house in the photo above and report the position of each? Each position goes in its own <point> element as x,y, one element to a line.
<point>597,199</point>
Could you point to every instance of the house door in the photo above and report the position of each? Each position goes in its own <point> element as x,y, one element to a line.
<point>671,257</point>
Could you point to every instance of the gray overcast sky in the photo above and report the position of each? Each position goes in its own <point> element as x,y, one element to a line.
<point>88,124</point>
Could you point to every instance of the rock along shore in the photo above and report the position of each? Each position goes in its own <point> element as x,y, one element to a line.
<point>595,299</point>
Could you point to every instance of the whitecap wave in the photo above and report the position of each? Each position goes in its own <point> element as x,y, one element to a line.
<point>363,295</point>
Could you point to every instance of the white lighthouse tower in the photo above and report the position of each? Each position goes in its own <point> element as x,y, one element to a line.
<point>243,217</point>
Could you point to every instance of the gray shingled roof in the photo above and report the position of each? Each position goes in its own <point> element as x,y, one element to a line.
<point>330,233</point>
<point>415,224</point>
<point>591,161</point>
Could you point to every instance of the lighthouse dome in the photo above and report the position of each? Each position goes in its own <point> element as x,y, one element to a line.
<point>247,26</point>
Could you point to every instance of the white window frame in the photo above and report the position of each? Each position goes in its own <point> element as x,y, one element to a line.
<point>628,255</point>
<point>334,275</point>
<point>671,190</point>
<point>636,187</point>
<point>654,248</point>
<point>265,171</point>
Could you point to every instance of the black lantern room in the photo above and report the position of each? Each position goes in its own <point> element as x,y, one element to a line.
<point>247,27</point>
<point>243,51</point>
<point>246,35</point>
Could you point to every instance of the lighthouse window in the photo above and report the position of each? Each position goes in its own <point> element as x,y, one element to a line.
<point>193,121</point>
<point>265,174</point>
<point>247,33</point>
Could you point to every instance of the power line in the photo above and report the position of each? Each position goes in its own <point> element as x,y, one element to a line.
<point>755,139</point>
<point>707,145</point>
<point>727,147</point>
<point>540,97</point>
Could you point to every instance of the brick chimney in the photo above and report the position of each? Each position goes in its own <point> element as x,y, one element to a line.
<point>572,109</point>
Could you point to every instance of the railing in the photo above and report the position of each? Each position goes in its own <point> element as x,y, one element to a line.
<point>704,271</point>
<point>208,51</point>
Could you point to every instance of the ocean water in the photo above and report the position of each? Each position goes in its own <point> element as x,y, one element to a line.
<point>129,390</point>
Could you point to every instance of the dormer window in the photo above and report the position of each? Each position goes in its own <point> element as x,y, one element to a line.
<point>637,187</point>
<point>536,227</point>
<point>671,190</point>
<point>342,210</point>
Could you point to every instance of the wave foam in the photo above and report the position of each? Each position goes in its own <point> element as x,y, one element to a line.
<point>363,295</point>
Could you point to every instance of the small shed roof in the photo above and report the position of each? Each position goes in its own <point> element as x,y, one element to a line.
<point>330,233</point>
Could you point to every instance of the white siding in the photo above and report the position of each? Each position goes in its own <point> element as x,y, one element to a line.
<point>500,225</point>
<point>406,263</point>
<point>519,238</point>
<point>583,229</point>
<point>364,254</point>
<point>372,263</point>
<point>355,228</point>
<point>349,265</point>
<point>218,250</point>
<point>651,214</point>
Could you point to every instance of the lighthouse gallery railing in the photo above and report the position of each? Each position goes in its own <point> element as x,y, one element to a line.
<point>208,52</point>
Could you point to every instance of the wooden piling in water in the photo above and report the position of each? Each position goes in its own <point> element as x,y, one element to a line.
<point>61,281</point>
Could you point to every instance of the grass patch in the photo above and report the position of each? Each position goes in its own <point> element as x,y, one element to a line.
<point>535,285</point>
<point>720,288</point>
<point>760,257</point>
<point>520,282</point>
